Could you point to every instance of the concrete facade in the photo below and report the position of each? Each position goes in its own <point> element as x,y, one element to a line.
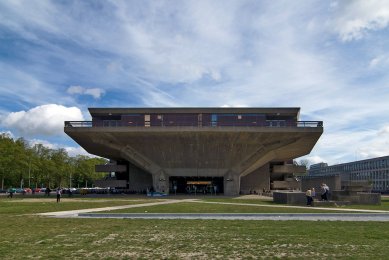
<point>239,145</point>
<point>256,182</point>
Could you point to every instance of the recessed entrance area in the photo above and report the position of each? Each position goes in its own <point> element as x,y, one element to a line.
<point>196,185</point>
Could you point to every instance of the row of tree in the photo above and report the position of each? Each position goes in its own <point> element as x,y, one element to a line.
<point>25,165</point>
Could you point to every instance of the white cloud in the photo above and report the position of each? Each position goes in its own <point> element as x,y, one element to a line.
<point>346,146</point>
<point>379,61</point>
<point>208,53</point>
<point>94,92</point>
<point>354,19</point>
<point>74,151</point>
<point>75,90</point>
<point>8,133</point>
<point>314,159</point>
<point>42,120</point>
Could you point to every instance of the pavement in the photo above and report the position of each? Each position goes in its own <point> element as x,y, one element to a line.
<point>75,213</point>
<point>246,216</point>
<point>341,215</point>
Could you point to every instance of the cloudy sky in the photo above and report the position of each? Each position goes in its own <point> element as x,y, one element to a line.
<point>331,58</point>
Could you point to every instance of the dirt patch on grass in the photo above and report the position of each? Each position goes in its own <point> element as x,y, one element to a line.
<point>252,197</point>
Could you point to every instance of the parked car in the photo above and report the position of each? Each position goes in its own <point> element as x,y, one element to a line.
<point>13,190</point>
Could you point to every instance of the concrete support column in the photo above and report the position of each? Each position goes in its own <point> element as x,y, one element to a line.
<point>161,182</point>
<point>231,183</point>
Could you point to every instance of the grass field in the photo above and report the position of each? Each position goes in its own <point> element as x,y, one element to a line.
<point>29,236</point>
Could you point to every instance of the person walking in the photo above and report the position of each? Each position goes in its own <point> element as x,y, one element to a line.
<point>59,192</point>
<point>313,193</point>
<point>10,193</point>
<point>324,191</point>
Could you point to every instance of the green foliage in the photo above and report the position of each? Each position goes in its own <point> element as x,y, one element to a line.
<point>37,165</point>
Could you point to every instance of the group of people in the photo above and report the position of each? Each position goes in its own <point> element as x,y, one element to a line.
<point>58,192</point>
<point>311,194</point>
<point>47,193</point>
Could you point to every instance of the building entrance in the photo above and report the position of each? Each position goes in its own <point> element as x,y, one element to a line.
<point>196,185</point>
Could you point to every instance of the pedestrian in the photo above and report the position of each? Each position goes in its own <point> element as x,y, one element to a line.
<point>59,191</point>
<point>313,193</point>
<point>308,194</point>
<point>10,193</point>
<point>324,191</point>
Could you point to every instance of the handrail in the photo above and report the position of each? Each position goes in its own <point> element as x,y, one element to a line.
<point>269,123</point>
<point>78,124</point>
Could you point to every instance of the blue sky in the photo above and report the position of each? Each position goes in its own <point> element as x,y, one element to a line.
<point>331,58</point>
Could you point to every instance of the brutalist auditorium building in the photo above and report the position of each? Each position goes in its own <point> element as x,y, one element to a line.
<point>183,150</point>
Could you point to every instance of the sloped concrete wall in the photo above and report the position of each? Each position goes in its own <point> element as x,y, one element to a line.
<point>139,180</point>
<point>256,181</point>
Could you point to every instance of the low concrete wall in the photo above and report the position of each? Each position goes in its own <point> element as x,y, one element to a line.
<point>339,194</point>
<point>285,197</point>
<point>369,198</point>
<point>365,198</point>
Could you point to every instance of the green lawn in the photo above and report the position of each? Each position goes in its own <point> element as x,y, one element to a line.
<point>38,205</point>
<point>30,236</point>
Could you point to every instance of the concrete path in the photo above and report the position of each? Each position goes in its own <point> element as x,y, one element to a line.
<point>75,213</point>
<point>246,216</point>
<point>359,215</point>
<point>294,207</point>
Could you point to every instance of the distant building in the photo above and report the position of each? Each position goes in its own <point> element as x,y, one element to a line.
<point>317,169</point>
<point>228,150</point>
<point>374,170</point>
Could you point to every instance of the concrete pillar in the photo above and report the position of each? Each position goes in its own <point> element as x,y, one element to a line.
<point>231,183</point>
<point>161,182</point>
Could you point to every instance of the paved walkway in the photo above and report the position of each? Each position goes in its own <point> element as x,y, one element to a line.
<point>246,216</point>
<point>75,213</point>
<point>359,215</point>
<point>294,207</point>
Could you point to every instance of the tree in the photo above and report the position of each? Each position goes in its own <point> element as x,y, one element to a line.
<point>59,159</point>
<point>6,158</point>
<point>21,163</point>
<point>302,162</point>
<point>85,169</point>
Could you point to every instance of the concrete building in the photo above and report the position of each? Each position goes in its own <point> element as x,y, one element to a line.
<point>375,170</point>
<point>230,150</point>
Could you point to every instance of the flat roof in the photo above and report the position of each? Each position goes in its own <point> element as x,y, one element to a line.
<point>293,111</point>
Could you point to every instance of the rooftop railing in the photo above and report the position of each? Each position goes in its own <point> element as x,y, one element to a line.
<point>119,123</point>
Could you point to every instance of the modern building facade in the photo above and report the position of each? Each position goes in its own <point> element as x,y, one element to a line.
<point>374,170</point>
<point>228,150</point>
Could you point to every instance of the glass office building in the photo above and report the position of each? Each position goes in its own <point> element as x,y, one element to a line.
<point>375,170</point>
